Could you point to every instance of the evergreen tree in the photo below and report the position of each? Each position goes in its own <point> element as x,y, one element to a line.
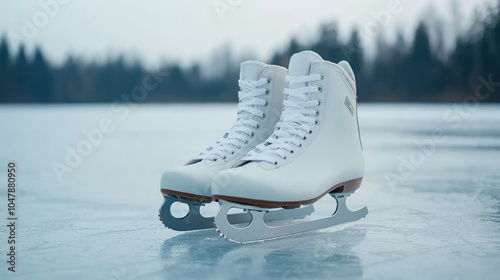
<point>41,78</point>
<point>4,54</point>
<point>21,78</point>
<point>381,75</point>
<point>68,81</point>
<point>5,71</point>
<point>329,45</point>
<point>419,66</point>
<point>354,52</point>
<point>489,46</point>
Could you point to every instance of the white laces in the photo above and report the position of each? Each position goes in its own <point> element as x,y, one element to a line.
<point>293,127</point>
<point>249,99</point>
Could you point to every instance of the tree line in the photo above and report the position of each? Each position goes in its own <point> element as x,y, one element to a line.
<point>418,71</point>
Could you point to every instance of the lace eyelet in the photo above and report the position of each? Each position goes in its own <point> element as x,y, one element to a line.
<point>268,80</point>
<point>304,138</point>
<point>316,122</point>
<point>321,76</point>
<point>214,159</point>
<point>275,163</point>
<point>252,135</point>
<point>263,115</point>
<point>319,102</point>
<point>265,105</point>
<point>284,157</point>
<point>317,113</point>
<point>320,89</point>
<point>224,157</point>
<point>267,91</point>
<point>291,152</point>
<point>310,131</point>
<point>257,127</point>
<point>232,152</point>
<point>300,145</point>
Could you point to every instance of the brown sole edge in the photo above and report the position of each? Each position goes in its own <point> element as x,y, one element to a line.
<point>345,187</point>
<point>187,196</point>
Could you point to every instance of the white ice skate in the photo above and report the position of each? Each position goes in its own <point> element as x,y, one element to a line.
<point>259,109</point>
<point>315,150</point>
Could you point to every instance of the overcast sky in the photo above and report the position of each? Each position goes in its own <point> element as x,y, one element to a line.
<point>185,31</point>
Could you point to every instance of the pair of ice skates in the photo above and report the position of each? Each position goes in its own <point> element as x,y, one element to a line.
<point>296,139</point>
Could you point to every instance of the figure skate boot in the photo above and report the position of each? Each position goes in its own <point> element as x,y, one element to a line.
<point>259,109</point>
<point>315,150</point>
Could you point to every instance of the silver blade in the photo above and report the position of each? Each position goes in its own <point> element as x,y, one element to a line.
<point>192,221</point>
<point>258,230</point>
<point>195,221</point>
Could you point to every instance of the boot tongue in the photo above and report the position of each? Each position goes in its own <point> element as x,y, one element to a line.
<point>251,70</point>
<point>300,65</point>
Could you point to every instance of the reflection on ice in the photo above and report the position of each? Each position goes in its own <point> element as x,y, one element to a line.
<point>315,255</point>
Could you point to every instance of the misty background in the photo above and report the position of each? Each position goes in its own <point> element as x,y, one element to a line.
<point>56,51</point>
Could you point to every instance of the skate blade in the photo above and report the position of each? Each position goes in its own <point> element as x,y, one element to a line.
<point>257,230</point>
<point>195,221</point>
<point>192,221</point>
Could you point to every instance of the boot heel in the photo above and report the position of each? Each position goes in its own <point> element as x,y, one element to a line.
<point>347,186</point>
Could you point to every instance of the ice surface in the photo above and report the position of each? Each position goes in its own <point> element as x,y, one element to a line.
<point>439,220</point>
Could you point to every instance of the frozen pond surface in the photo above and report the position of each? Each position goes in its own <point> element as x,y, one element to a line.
<point>432,186</point>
